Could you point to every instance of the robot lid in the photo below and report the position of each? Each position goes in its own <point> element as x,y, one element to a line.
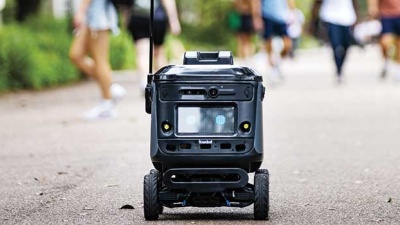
<point>206,66</point>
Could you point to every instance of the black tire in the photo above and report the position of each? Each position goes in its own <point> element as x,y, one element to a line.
<point>160,183</point>
<point>150,197</point>
<point>261,195</point>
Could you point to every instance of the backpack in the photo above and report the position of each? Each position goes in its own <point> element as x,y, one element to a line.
<point>123,3</point>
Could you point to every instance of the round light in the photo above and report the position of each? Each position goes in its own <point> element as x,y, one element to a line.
<point>245,126</point>
<point>166,126</point>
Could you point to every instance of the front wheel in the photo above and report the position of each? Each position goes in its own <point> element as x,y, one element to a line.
<point>261,195</point>
<point>150,197</point>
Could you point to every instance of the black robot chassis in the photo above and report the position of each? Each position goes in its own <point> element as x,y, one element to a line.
<point>206,136</point>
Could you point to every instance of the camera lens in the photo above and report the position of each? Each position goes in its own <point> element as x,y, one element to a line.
<point>213,92</point>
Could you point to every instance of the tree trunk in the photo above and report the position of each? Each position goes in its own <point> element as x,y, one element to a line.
<point>26,8</point>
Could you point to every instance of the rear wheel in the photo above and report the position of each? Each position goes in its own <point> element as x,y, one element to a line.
<point>261,194</point>
<point>150,197</point>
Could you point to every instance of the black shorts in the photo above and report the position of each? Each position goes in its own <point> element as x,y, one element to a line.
<point>274,28</point>
<point>139,28</point>
<point>246,24</point>
<point>391,25</point>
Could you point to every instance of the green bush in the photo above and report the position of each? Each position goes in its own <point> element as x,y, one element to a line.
<point>122,52</point>
<point>34,55</point>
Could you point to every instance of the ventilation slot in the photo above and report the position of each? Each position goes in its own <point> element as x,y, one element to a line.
<point>240,147</point>
<point>171,147</point>
<point>226,146</point>
<point>205,146</point>
<point>185,146</point>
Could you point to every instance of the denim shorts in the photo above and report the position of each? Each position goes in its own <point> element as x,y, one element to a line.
<point>391,25</point>
<point>102,15</point>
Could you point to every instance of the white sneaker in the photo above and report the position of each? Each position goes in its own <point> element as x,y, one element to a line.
<point>117,91</point>
<point>276,75</point>
<point>103,110</point>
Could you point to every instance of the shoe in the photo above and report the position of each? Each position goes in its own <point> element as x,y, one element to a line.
<point>276,75</point>
<point>397,77</point>
<point>103,110</point>
<point>117,91</point>
<point>384,73</point>
<point>339,79</point>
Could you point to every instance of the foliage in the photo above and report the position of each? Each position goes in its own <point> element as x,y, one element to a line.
<point>205,25</point>
<point>34,55</point>
<point>122,55</point>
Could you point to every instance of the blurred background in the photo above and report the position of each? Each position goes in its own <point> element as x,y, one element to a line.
<point>35,36</point>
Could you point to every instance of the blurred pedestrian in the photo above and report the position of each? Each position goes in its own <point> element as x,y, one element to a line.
<point>165,14</point>
<point>389,13</point>
<point>272,17</point>
<point>245,30</point>
<point>89,52</point>
<point>338,16</point>
<point>295,29</point>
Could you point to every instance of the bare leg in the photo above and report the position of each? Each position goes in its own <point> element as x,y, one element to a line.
<point>268,48</point>
<point>244,45</point>
<point>99,47</point>
<point>287,46</point>
<point>160,57</point>
<point>248,48</point>
<point>398,50</point>
<point>142,59</point>
<point>78,53</point>
<point>385,43</point>
<point>397,59</point>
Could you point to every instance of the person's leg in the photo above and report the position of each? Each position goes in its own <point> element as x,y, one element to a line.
<point>397,59</point>
<point>268,31</point>
<point>281,30</point>
<point>334,33</point>
<point>78,53</point>
<point>268,48</point>
<point>245,34</point>
<point>99,48</point>
<point>385,42</point>
<point>345,43</point>
<point>241,42</point>
<point>142,59</point>
<point>159,57</point>
<point>247,46</point>
<point>160,31</point>
<point>287,46</point>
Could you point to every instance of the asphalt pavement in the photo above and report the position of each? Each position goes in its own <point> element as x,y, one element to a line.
<point>333,151</point>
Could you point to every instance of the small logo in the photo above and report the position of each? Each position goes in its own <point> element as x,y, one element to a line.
<point>205,141</point>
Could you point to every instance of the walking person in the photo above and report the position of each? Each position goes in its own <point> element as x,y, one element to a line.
<point>165,14</point>
<point>338,16</point>
<point>295,29</point>
<point>272,18</point>
<point>89,52</point>
<point>245,29</point>
<point>388,11</point>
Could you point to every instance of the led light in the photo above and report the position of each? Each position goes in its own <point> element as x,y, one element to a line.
<point>166,126</point>
<point>245,126</point>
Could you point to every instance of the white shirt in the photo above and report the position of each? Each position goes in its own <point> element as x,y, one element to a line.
<point>339,12</point>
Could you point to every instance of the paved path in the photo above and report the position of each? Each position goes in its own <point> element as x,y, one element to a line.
<point>333,152</point>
